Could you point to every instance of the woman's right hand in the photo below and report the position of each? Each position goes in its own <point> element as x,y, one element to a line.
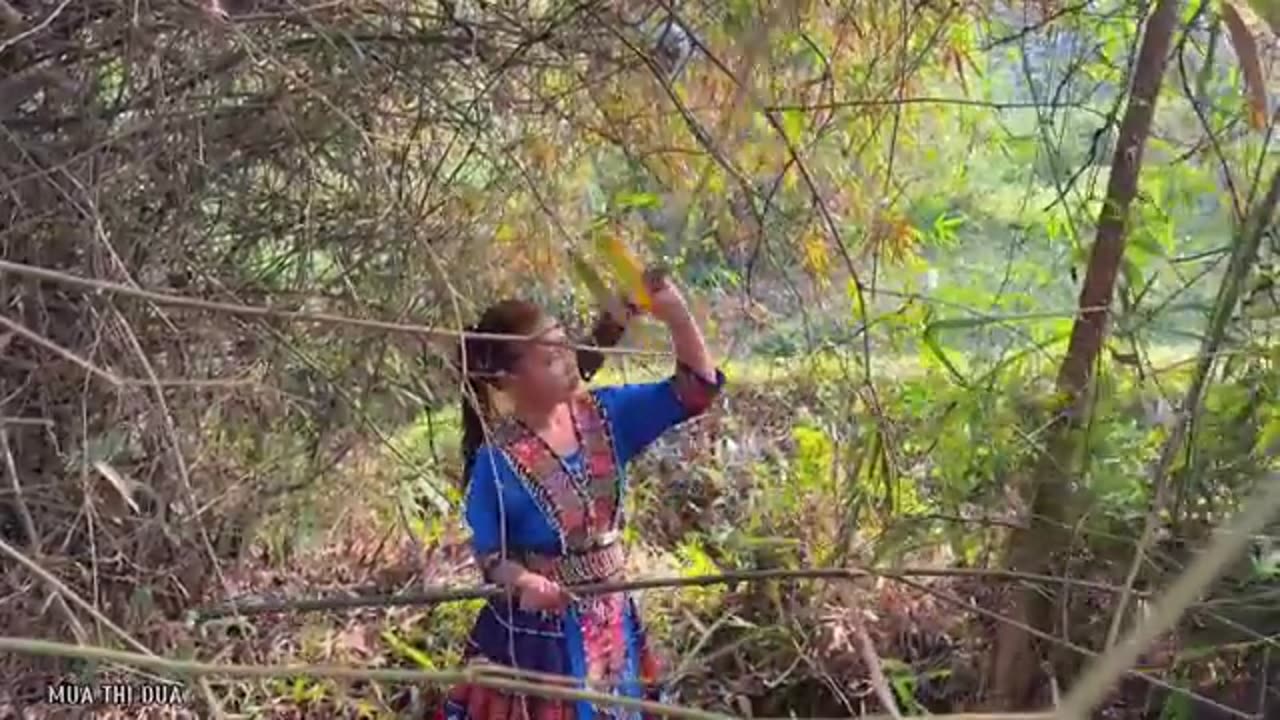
<point>537,592</point>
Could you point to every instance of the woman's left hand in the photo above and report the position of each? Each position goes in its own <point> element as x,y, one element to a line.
<point>667,304</point>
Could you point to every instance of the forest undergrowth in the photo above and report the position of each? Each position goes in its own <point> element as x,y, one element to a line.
<point>781,490</point>
<point>996,282</point>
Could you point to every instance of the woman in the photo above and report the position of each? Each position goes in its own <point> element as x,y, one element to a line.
<point>545,497</point>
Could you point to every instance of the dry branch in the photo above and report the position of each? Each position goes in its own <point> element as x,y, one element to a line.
<point>438,678</point>
<point>433,597</point>
<point>171,300</point>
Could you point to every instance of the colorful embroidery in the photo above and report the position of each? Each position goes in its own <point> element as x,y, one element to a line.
<point>585,511</point>
<point>695,392</point>
<point>577,513</point>
<point>573,568</point>
<point>610,660</point>
<point>604,640</point>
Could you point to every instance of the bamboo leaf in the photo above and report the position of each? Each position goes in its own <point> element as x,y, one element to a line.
<point>636,200</point>
<point>934,346</point>
<point>627,268</point>
<point>1247,50</point>
<point>407,651</point>
<point>793,125</point>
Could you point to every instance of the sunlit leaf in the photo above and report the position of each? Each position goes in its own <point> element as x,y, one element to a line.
<point>815,258</point>
<point>630,200</point>
<point>793,125</point>
<point>1132,272</point>
<point>1146,242</point>
<point>1269,437</point>
<point>407,651</point>
<point>627,268</point>
<point>504,234</point>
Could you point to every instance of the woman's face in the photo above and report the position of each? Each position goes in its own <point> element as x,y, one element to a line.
<point>547,371</point>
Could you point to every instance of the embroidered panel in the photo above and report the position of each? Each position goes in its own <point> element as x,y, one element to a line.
<point>604,639</point>
<point>575,568</point>
<point>578,512</point>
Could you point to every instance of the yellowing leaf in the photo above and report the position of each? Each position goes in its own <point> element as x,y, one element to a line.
<point>628,269</point>
<point>816,260</point>
<point>1247,50</point>
<point>504,234</point>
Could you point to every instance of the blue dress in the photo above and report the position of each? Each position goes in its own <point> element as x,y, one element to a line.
<point>562,517</point>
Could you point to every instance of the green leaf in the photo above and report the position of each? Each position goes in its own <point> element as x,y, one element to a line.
<point>1269,436</point>
<point>1176,707</point>
<point>1132,273</point>
<point>634,200</point>
<point>1147,242</point>
<point>793,125</point>
<point>934,346</point>
<point>408,651</point>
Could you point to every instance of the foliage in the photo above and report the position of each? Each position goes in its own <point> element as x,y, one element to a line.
<point>792,162</point>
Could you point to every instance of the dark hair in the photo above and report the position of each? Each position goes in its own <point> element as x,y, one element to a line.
<point>487,358</point>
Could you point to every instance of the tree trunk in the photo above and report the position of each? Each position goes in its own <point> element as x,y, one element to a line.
<point>1014,669</point>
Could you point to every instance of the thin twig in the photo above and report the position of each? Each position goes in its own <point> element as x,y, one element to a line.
<point>19,497</point>
<point>64,593</point>
<point>447,595</point>
<point>474,676</point>
<point>1099,678</point>
<point>439,678</point>
<point>107,376</point>
<point>1242,261</point>
<point>259,311</point>
<point>956,601</point>
<point>56,349</point>
<point>60,588</point>
<point>41,26</point>
<point>33,535</point>
<point>875,666</point>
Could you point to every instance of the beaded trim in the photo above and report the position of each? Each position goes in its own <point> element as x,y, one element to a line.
<point>596,565</point>
<point>578,515</point>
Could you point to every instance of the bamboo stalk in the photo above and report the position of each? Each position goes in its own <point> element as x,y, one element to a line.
<point>447,595</point>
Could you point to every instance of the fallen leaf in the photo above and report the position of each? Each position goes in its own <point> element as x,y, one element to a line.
<point>121,485</point>
<point>355,639</point>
